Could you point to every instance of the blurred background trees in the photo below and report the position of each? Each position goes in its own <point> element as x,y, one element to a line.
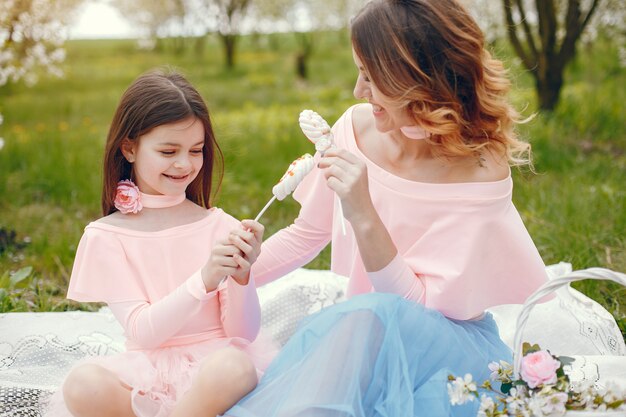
<point>544,34</point>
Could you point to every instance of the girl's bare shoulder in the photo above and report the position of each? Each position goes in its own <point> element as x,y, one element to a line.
<point>150,220</point>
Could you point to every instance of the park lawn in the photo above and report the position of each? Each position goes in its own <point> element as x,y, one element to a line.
<point>50,167</point>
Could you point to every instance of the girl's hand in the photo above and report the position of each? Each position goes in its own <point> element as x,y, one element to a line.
<point>234,255</point>
<point>346,175</point>
<point>248,240</point>
<point>225,260</point>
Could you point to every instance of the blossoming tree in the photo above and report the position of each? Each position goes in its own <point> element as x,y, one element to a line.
<point>32,33</point>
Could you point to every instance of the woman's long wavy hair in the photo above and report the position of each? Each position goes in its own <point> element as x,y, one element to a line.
<point>157,98</point>
<point>429,56</point>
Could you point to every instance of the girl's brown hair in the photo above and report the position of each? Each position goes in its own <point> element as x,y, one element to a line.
<point>154,99</point>
<point>429,56</point>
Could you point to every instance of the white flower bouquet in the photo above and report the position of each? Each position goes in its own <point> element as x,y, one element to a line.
<point>536,385</point>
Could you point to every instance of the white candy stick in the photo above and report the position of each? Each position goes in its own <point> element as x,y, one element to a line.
<point>318,131</point>
<point>258,216</point>
<point>290,180</point>
<point>343,222</point>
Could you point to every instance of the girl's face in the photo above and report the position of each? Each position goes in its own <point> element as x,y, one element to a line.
<point>167,158</point>
<point>387,114</point>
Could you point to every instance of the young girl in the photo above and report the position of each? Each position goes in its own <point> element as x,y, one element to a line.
<point>174,271</point>
<point>422,173</point>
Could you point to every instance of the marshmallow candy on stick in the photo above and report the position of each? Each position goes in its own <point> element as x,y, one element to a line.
<point>316,129</point>
<point>294,175</point>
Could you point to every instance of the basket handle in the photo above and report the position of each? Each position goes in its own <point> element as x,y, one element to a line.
<point>547,288</point>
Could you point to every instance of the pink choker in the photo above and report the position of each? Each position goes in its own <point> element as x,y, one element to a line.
<point>128,198</point>
<point>414,132</point>
<point>161,201</point>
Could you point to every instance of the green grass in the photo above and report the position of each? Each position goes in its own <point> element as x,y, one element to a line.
<point>574,206</point>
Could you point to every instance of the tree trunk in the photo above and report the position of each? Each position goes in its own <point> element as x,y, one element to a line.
<point>548,86</point>
<point>301,67</point>
<point>305,40</point>
<point>539,49</point>
<point>229,42</point>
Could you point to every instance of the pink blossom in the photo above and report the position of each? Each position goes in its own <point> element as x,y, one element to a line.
<point>127,197</point>
<point>539,368</point>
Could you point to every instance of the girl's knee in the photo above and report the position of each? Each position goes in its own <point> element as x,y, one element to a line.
<point>228,367</point>
<point>85,386</point>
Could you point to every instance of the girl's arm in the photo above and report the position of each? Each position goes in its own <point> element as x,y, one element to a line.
<point>150,324</point>
<point>241,311</point>
<point>239,303</point>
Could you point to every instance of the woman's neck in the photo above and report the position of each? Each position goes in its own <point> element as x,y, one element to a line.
<point>407,150</point>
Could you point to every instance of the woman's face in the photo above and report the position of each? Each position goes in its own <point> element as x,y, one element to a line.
<point>388,115</point>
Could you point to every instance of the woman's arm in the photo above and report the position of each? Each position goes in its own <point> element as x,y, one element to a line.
<point>346,174</point>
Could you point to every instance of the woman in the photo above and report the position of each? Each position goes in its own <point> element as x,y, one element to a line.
<point>422,174</point>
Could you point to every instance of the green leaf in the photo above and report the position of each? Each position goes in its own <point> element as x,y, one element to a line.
<point>615,404</point>
<point>21,275</point>
<point>528,348</point>
<point>505,388</point>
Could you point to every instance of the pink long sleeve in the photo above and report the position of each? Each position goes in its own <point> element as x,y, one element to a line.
<point>288,249</point>
<point>241,311</point>
<point>151,282</point>
<point>398,278</point>
<point>462,247</point>
<point>298,244</point>
<point>149,325</point>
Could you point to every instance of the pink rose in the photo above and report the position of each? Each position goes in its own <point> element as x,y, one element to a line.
<point>127,197</point>
<point>539,368</point>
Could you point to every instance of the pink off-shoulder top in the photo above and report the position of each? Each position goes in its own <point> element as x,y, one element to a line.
<point>152,283</point>
<point>462,247</point>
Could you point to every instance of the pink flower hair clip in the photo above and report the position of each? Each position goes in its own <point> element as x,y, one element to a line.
<point>127,197</point>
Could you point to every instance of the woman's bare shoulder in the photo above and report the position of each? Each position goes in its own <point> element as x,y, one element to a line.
<point>486,166</point>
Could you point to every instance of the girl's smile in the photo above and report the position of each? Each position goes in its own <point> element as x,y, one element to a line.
<point>167,158</point>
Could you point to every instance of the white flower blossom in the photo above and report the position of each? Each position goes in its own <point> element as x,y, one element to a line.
<point>500,371</point>
<point>32,34</point>
<point>487,406</point>
<point>1,143</point>
<point>462,390</point>
<point>554,403</point>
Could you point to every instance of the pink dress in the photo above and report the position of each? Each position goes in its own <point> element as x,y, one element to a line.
<point>462,247</point>
<point>152,283</point>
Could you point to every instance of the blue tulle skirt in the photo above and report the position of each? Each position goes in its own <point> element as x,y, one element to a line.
<point>376,355</point>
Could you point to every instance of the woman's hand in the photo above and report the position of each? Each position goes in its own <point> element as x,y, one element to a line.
<point>346,175</point>
<point>235,255</point>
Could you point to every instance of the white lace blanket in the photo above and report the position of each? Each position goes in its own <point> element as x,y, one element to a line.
<point>37,349</point>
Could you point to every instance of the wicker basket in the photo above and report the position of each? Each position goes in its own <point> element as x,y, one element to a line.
<point>546,289</point>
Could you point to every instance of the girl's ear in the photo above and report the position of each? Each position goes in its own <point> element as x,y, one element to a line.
<point>128,150</point>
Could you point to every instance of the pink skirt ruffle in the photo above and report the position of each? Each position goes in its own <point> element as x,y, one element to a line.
<point>160,377</point>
